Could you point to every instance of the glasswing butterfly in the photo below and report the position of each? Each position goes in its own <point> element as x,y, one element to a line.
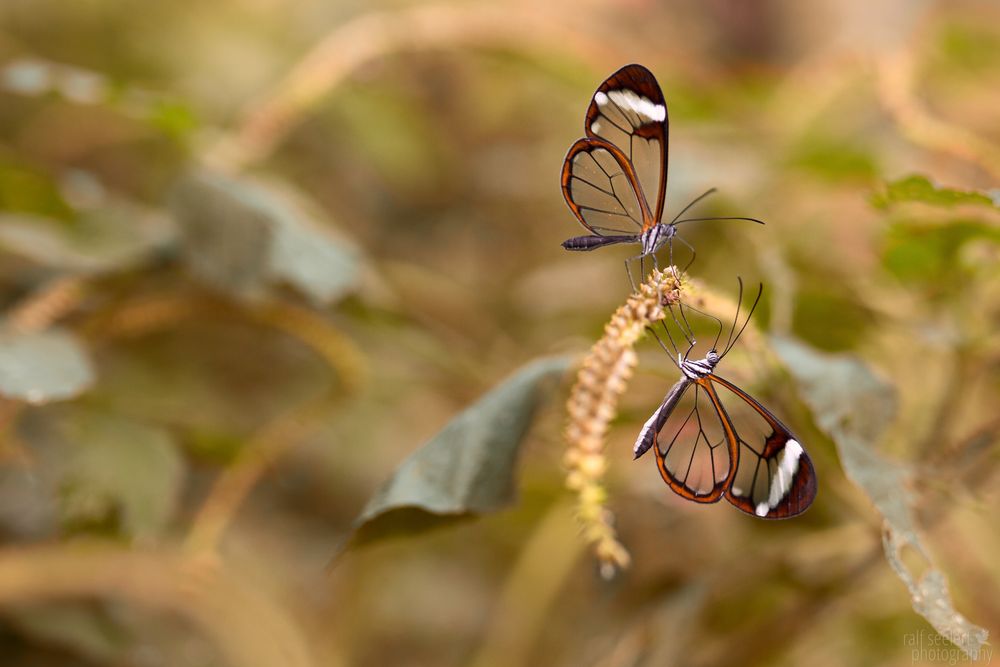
<point>609,174</point>
<point>717,440</point>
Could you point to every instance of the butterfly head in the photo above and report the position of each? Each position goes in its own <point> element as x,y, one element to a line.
<point>695,369</point>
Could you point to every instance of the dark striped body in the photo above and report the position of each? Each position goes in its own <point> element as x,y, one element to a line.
<point>591,241</point>
<point>651,240</point>
<point>697,369</point>
<point>693,371</point>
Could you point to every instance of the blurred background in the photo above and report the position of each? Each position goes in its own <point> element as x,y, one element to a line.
<point>256,253</point>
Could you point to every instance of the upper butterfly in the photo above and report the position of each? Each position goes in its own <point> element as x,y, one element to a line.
<point>609,174</point>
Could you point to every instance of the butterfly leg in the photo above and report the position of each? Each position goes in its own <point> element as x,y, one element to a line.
<point>688,331</point>
<point>642,270</point>
<point>682,324</point>
<point>672,351</point>
<point>673,267</point>
<point>628,272</point>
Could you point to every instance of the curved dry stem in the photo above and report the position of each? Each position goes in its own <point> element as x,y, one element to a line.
<point>152,314</point>
<point>234,484</point>
<point>377,34</point>
<point>248,629</point>
<point>53,301</point>
<point>338,351</point>
<point>12,450</point>
<point>593,403</point>
<point>148,315</point>
<point>279,437</point>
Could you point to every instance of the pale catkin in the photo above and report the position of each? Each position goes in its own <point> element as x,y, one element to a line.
<point>593,403</point>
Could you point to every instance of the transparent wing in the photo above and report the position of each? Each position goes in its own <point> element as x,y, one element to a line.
<point>692,441</point>
<point>600,188</point>
<point>774,477</point>
<point>628,110</point>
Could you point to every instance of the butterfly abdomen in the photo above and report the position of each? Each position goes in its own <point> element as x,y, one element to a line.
<point>591,241</point>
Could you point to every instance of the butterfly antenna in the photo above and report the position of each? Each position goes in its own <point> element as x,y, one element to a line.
<point>673,344</point>
<point>760,292</point>
<point>736,318</point>
<point>693,202</point>
<point>683,306</point>
<point>718,335</point>
<point>726,217</point>
<point>691,248</point>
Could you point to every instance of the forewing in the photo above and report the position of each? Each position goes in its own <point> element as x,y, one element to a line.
<point>628,110</point>
<point>694,447</point>
<point>600,187</point>
<point>774,477</point>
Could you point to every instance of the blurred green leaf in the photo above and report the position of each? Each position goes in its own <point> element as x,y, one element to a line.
<point>91,472</point>
<point>25,190</point>
<point>116,236</point>
<point>931,253</point>
<point>41,367</point>
<point>321,267</point>
<point>849,402</point>
<point>854,407</point>
<point>970,47</point>
<point>225,230</point>
<point>834,159</point>
<point>242,238</point>
<point>827,317</point>
<point>918,188</point>
<point>121,472</point>
<point>467,468</point>
<point>173,117</point>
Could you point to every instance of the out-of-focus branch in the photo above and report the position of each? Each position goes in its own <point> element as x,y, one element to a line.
<point>40,310</point>
<point>36,312</point>
<point>280,436</point>
<point>377,34</point>
<point>248,629</point>
<point>896,74</point>
<point>147,315</point>
<point>337,350</point>
<point>259,455</point>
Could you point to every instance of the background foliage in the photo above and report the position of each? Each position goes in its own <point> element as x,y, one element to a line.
<point>256,253</point>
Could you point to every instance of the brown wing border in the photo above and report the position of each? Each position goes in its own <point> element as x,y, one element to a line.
<point>804,485</point>
<point>720,488</point>
<point>589,144</point>
<point>636,77</point>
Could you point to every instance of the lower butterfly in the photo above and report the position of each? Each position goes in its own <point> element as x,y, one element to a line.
<point>713,440</point>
